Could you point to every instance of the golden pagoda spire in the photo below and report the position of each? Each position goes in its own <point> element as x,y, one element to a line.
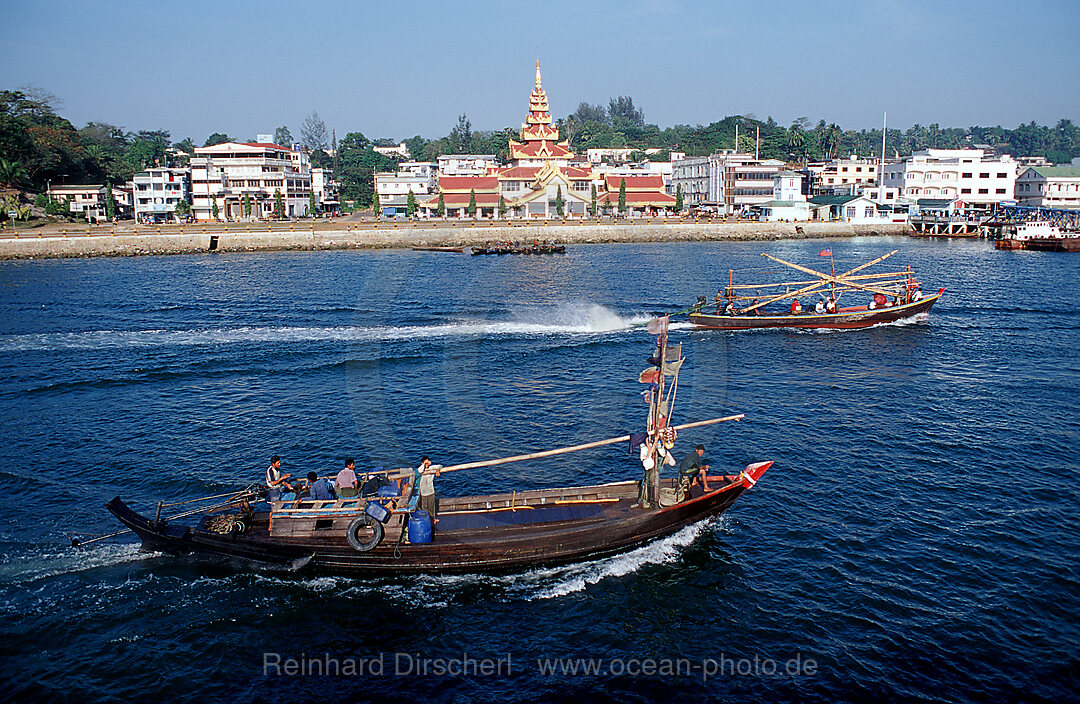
<point>538,87</point>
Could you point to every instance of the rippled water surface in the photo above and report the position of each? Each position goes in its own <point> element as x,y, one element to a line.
<point>916,538</point>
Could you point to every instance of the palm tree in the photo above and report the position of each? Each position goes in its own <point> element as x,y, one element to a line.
<point>796,140</point>
<point>12,173</point>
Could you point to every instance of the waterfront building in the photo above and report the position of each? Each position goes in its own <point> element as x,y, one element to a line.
<point>542,170</point>
<point>788,202</point>
<point>1049,187</point>
<point>157,191</point>
<point>325,189</point>
<point>691,174</point>
<point>850,209</point>
<point>844,176</point>
<point>393,187</point>
<point>975,178</point>
<point>86,200</point>
<point>466,164</point>
<point>226,173</point>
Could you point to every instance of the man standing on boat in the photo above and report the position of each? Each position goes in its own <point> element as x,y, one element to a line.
<point>424,480</point>
<point>692,469</point>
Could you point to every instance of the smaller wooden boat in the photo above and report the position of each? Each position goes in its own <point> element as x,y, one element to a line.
<point>459,250</point>
<point>896,295</point>
<point>514,248</point>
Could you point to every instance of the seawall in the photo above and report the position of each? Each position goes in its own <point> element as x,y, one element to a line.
<point>386,236</point>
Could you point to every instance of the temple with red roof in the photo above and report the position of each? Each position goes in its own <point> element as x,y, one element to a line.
<point>541,170</point>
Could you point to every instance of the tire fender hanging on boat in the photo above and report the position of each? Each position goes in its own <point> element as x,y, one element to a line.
<point>352,533</point>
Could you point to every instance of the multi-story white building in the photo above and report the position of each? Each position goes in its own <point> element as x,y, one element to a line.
<point>691,175</point>
<point>968,175</point>
<point>466,164</point>
<point>87,200</point>
<point>401,151</point>
<point>393,187</point>
<point>738,181</point>
<point>846,175</point>
<point>225,173</point>
<point>325,188</point>
<point>158,190</point>
<point>1049,187</point>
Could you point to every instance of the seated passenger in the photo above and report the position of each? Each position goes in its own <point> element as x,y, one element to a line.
<point>729,309</point>
<point>757,311</point>
<point>830,307</point>
<point>796,307</point>
<point>320,489</point>
<point>345,483</point>
<point>917,296</point>
<point>819,307</point>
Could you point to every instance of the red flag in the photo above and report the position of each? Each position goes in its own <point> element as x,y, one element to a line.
<point>825,253</point>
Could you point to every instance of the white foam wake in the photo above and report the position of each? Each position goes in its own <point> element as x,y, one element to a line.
<point>23,569</point>
<point>563,320</point>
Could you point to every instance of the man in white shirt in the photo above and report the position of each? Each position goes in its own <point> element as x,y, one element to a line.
<point>275,480</point>
<point>345,482</point>
<point>425,476</point>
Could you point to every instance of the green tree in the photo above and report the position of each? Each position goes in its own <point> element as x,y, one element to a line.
<point>283,137</point>
<point>410,204</point>
<point>245,204</point>
<point>182,208</point>
<point>311,204</point>
<point>313,132</point>
<point>440,209</point>
<point>214,211</point>
<point>622,195</point>
<point>592,205</point>
<point>461,137</point>
<point>279,204</point>
<point>375,205</point>
<point>559,201</point>
<point>12,173</point>
<point>110,202</point>
<point>502,207</point>
<point>678,198</point>
<point>471,209</point>
<point>217,138</point>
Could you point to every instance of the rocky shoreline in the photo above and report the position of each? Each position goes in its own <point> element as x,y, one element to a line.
<point>388,236</point>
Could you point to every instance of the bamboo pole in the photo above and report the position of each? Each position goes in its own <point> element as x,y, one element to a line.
<point>842,278</point>
<point>559,451</point>
<point>822,281</point>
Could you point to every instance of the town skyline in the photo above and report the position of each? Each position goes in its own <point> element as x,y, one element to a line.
<point>246,62</point>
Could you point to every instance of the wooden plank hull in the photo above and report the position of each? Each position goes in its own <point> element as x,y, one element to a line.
<point>842,320</point>
<point>490,543</point>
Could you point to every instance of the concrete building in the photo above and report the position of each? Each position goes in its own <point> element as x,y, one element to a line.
<point>844,176</point>
<point>225,173</point>
<point>158,190</point>
<point>788,203</point>
<point>393,187</point>
<point>325,189</point>
<point>970,175</point>
<point>466,164</point>
<point>394,152</point>
<point>691,174</point>
<point>1049,187</point>
<point>849,209</point>
<point>86,200</point>
<point>738,181</point>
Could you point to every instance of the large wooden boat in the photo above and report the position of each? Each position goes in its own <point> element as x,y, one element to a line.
<point>516,248</point>
<point>894,295</point>
<point>371,534</point>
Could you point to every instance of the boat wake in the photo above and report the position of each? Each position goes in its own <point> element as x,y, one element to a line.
<point>53,562</point>
<point>566,319</point>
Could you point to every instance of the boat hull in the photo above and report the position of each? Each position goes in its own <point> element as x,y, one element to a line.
<point>842,320</point>
<point>589,532</point>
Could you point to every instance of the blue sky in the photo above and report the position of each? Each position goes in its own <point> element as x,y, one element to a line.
<point>395,69</point>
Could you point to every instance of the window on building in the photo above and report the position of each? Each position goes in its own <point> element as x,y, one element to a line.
<point>984,191</point>
<point>1002,175</point>
<point>1000,190</point>
<point>849,211</point>
<point>966,174</point>
<point>985,174</point>
<point>965,190</point>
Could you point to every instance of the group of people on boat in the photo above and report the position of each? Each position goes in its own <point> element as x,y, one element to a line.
<point>416,491</point>
<point>824,306</point>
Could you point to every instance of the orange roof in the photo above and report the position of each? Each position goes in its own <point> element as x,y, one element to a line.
<point>468,183</point>
<point>267,145</point>
<point>519,172</point>
<point>636,183</point>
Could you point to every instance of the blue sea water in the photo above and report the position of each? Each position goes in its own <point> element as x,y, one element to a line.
<point>916,539</point>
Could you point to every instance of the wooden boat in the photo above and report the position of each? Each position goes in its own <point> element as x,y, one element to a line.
<point>504,531</point>
<point>551,248</point>
<point>459,250</point>
<point>897,295</point>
